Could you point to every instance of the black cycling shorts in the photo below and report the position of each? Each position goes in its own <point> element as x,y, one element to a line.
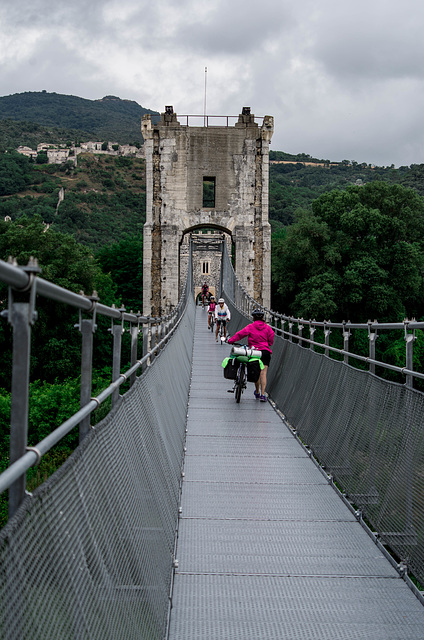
<point>223,322</point>
<point>266,357</point>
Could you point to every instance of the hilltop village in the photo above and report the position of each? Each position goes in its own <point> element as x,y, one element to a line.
<point>69,153</point>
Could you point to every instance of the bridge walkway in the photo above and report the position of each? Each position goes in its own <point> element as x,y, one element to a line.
<point>266,547</point>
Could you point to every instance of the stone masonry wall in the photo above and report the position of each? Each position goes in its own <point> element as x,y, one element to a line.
<point>178,159</point>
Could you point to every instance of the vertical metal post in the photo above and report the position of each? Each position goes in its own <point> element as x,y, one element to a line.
<point>20,320</point>
<point>160,331</point>
<point>346,336</point>
<point>21,315</point>
<point>134,330</point>
<point>157,333</point>
<point>87,328</point>
<point>152,338</point>
<point>149,341</point>
<point>372,336</point>
<point>290,330</point>
<point>145,350</point>
<point>166,327</point>
<point>279,322</point>
<point>327,332</point>
<point>409,364</point>
<point>221,275</point>
<point>312,330</point>
<point>117,331</point>
<point>300,333</point>
<point>20,392</point>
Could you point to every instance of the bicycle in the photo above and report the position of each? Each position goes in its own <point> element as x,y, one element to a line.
<point>205,299</point>
<point>221,331</point>
<point>242,355</point>
<point>212,324</point>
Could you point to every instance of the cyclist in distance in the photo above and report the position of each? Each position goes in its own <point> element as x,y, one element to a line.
<point>205,291</point>
<point>259,336</point>
<point>222,316</point>
<point>211,310</point>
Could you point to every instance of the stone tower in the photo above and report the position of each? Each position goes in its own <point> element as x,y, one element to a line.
<point>206,177</point>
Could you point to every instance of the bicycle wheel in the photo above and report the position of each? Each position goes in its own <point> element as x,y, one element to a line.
<point>239,382</point>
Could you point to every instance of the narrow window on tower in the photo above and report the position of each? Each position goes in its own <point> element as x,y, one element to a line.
<point>205,268</point>
<point>208,192</point>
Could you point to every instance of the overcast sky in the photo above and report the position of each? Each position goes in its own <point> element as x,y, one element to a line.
<point>343,79</point>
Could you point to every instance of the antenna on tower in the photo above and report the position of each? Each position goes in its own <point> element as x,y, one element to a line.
<point>204,104</point>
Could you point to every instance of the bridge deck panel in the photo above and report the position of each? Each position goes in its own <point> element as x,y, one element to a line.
<point>233,427</point>
<point>230,547</point>
<point>266,547</point>
<point>293,608</point>
<point>243,446</point>
<point>251,501</point>
<point>252,469</point>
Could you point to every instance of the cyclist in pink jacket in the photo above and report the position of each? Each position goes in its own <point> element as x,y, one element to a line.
<point>259,336</point>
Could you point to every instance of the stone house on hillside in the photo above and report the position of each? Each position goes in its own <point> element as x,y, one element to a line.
<point>61,154</point>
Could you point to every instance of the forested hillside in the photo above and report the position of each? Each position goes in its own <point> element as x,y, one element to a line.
<point>110,118</point>
<point>295,185</point>
<point>14,134</point>
<point>104,196</point>
<point>33,117</point>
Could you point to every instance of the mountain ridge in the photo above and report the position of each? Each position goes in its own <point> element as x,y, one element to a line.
<point>108,118</point>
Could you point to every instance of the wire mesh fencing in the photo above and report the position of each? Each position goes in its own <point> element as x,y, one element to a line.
<point>367,432</point>
<point>89,554</point>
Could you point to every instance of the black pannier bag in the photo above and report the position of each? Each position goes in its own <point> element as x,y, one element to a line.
<point>253,370</point>
<point>230,370</point>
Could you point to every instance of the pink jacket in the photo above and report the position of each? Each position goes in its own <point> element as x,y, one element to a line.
<point>259,334</point>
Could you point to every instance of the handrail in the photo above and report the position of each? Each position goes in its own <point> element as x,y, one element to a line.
<point>20,280</point>
<point>245,303</point>
<point>350,354</point>
<point>34,454</point>
<point>21,315</point>
<point>206,119</point>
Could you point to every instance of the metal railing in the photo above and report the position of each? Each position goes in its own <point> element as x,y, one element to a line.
<point>213,121</point>
<point>292,329</point>
<point>365,432</point>
<point>25,284</point>
<point>90,552</point>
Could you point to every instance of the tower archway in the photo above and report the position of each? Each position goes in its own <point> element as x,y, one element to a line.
<point>212,177</point>
<point>207,246</point>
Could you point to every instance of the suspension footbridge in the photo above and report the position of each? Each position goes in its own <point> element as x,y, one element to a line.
<point>266,548</point>
<point>185,515</point>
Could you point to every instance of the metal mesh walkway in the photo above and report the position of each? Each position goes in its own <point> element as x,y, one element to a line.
<point>266,547</point>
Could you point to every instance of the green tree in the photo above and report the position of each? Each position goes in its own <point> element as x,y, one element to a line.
<point>358,254</point>
<point>123,260</point>
<point>15,173</point>
<point>42,157</point>
<point>56,343</point>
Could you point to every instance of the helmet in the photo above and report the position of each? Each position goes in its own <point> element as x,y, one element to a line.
<point>221,300</point>
<point>257,314</point>
<point>212,297</point>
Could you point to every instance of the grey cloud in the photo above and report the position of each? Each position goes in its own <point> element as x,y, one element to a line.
<point>43,13</point>
<point>381,43</point>
<point>342,80</point>
<point>69,74</point>
<point>237,28</point>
